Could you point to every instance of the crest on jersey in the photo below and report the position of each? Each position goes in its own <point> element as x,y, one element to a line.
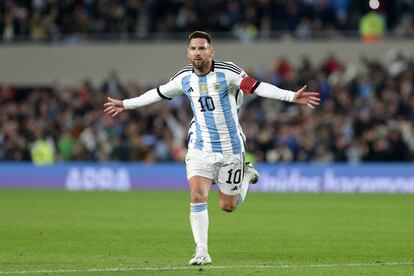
<point>217,87</point>
<point>203,87</point>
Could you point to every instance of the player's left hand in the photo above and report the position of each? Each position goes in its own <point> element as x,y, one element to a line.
<point>310,98</point>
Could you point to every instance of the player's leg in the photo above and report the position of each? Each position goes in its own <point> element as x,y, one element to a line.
<point>234,180</point>
<point>228,203</point>
<point>229,180</point>
<point>199,189</point>
<point>200,180</point>
<point>251,176</point>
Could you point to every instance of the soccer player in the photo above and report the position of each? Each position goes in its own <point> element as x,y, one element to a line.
<point>216,141</point>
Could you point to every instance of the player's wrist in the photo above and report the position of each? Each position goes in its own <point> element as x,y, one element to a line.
<point>126,104</point>
<point>291,96</point>
<point>294,97</point>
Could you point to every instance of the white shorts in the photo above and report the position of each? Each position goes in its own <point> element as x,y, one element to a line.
<point>225,170</point>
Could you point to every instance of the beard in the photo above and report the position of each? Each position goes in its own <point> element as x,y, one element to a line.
<point>199,64</point>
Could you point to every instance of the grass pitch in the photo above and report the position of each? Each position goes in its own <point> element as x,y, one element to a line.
<point>147,232</point>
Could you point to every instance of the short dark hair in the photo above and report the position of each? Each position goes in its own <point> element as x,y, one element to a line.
<point>200,34</point>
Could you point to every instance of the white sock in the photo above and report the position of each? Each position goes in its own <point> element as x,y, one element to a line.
<point>199,224</point>
<point>244,187</point>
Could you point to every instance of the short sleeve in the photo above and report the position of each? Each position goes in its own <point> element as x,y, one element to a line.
<point>236,73</point>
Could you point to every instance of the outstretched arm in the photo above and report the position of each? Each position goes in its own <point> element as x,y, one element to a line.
<point>114,106</point>
<point>167,91</point>
<point>267,90</point>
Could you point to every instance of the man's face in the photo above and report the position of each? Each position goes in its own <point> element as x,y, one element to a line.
<point>200,53</point>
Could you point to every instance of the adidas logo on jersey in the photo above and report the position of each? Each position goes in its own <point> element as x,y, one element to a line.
<point>190,90</point>
<point>234,188</point>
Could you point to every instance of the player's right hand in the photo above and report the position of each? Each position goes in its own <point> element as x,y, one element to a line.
<point>113,107</point>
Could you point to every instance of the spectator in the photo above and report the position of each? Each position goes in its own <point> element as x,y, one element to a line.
<point>371,27</point>
<point>70,20</point>
<point>366,116</point>
<point>43,152</point>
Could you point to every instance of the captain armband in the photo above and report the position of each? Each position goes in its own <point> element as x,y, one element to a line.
<point>249,84</point>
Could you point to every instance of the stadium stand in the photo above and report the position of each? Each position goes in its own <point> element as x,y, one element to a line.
<point>366,115</point>
<point>71,20</point>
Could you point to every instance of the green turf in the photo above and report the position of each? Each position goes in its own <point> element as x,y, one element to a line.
<point>294,234</point>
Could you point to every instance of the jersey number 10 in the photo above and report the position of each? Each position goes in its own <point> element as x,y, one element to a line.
<point>206,103</point>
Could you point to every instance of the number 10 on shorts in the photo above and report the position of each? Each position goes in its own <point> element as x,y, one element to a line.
<point>234,178</point>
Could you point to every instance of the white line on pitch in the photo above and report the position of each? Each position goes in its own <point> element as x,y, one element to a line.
<point>120,269</point>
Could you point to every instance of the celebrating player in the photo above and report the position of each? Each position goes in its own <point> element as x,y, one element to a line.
<point>216,141</point>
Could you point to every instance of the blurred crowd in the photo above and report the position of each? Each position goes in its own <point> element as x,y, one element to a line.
<point>69,20</point>
<point>367,114</point>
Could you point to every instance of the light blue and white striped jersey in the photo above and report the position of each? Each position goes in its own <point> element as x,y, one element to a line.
<point>215,98</point>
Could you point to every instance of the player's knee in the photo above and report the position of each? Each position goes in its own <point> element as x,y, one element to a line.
<point>198,196</point>
<point>227,206</point>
